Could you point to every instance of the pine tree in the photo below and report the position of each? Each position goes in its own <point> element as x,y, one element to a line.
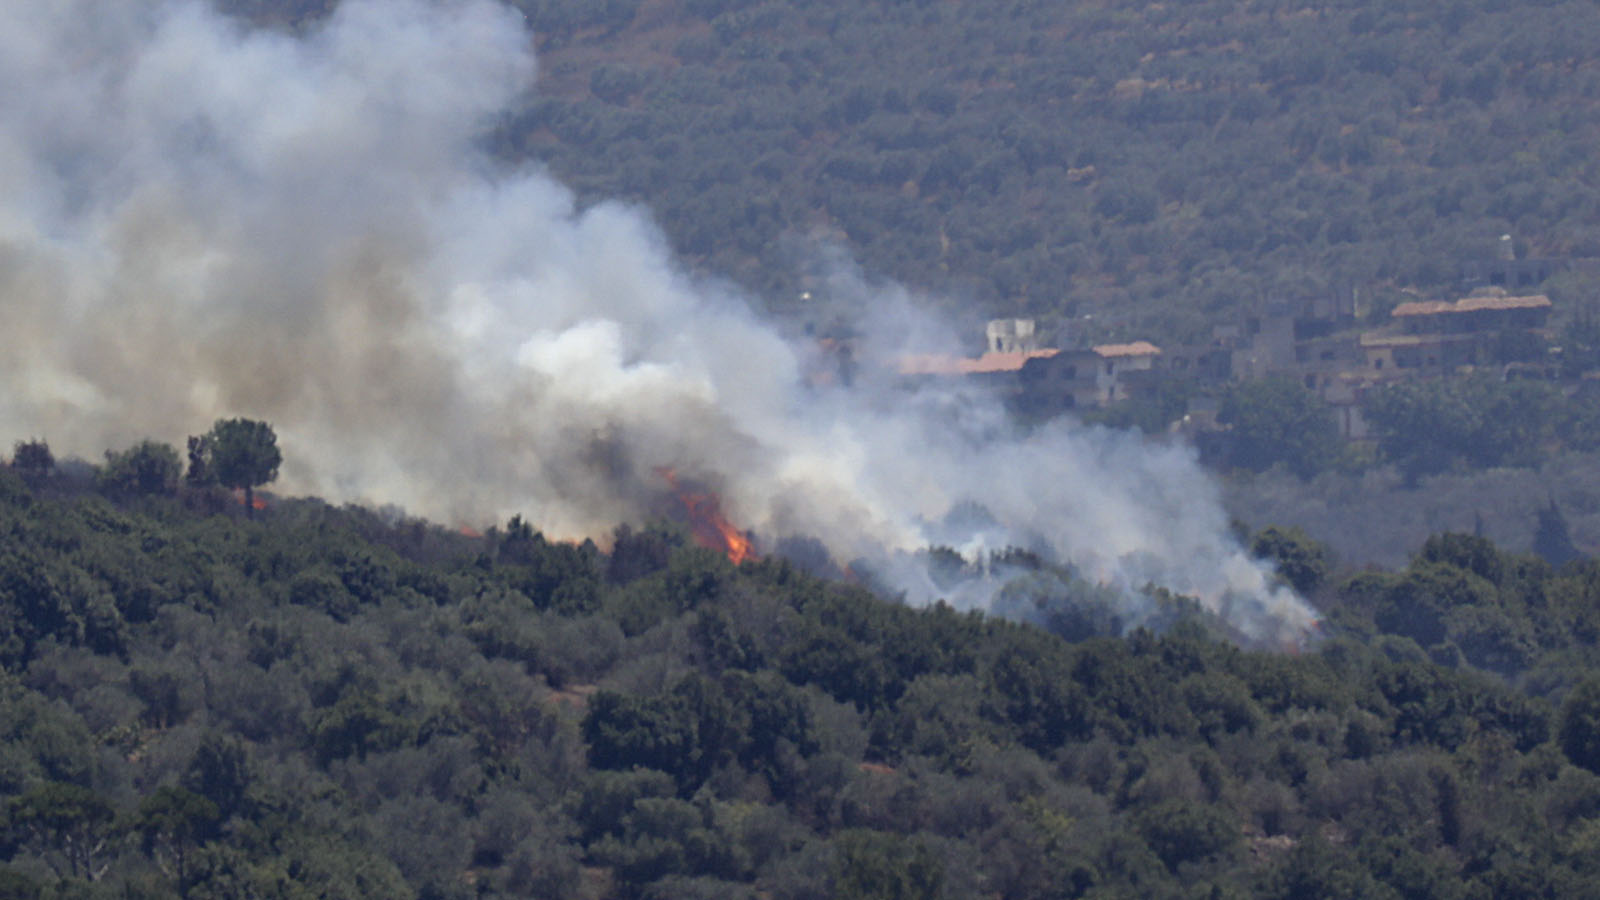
<point>1551,539</point>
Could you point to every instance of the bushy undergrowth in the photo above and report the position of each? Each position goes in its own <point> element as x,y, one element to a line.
<point>326,702</point>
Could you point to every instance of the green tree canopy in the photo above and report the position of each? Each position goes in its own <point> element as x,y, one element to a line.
<point>1300,560</point>
<point>1427,427</point>
<point>147,468</point>
<point>172,823</point>
<point>348,705</point>
<point>32,458</point>
<point>873,865</point>
<point>1580,725</point>
<point>241,454</point>
<point>1552,539</point>
<point>1276,420</point>
<point>69,819</point>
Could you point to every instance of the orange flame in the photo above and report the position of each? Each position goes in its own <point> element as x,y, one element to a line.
<point>1296,642</point>
<point>710,527</point>
<point>258,501</point>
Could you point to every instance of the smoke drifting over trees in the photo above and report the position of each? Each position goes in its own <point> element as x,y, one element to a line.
<point>198,220</point>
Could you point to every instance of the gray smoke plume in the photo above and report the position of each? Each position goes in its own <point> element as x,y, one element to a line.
<point>198,219</point>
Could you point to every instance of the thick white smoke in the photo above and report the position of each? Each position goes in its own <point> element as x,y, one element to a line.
<point>198,219</point>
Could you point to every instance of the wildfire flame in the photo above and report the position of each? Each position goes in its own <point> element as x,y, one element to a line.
<point>1296,644</point>
<point>259,501</point>
<point>710,527</point>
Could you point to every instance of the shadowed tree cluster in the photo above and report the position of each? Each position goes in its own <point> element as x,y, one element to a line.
<point>240,454</point>
<point>327,702</point>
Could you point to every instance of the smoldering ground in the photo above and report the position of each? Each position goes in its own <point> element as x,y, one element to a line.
<point>198,219</point>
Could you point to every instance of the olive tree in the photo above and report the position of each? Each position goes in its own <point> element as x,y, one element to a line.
<point>33,458</point>
<point>145,469</point>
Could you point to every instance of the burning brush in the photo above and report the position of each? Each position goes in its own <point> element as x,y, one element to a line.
<point>711,529</point>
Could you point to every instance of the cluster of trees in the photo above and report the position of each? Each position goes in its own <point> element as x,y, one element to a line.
<point>1428,427</point>
<point>327,702</point>
<point>1277,421</point>
<point>1421,427</point>
<point>237,454</point>
<point>1159,166</point>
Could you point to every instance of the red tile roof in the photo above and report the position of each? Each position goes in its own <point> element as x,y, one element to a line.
<point>1422,308</point>
<point>1413,340</point>
<point>1535,301</point>
<point>936,364</point>
<point>1137,348</point>
<point>990,363</point>
<point>1469,304</point>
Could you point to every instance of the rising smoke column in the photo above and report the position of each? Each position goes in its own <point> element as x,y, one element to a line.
<point>198,219</point>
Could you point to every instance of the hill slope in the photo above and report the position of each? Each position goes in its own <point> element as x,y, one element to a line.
<point>317,702</point>
<point>1157,165</point>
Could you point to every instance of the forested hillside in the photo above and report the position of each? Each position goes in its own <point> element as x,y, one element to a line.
<point>1159,166</point>
<point>210,694</point>
<point>315,701</point>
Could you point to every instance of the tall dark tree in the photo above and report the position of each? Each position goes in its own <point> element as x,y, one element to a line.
<point>32,458</point>
<point>71,820</point>
<point>219,773</point>
<point>147,468</point>
<point>881,866</point>
<point>242,454</point>
<point>1426,427</point>
<point>1276,420</point>
<point>1580,725</point>
<point>200,473</point>
<point>172,823</point>
<point>1300,560</point>
<point>1552,540</point>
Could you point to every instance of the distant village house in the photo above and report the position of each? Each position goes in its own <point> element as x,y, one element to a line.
<point>1046,379</point>
<point>1319,343</point>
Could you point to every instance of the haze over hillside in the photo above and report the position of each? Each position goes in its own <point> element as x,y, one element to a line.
<point>340,221</point>
<point>1157,165</point>
<point>1117,170</point>
<point>208,220</point>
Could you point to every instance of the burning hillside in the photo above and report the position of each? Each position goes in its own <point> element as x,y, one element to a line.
<point>711,529</point>
<point>202,220</point>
